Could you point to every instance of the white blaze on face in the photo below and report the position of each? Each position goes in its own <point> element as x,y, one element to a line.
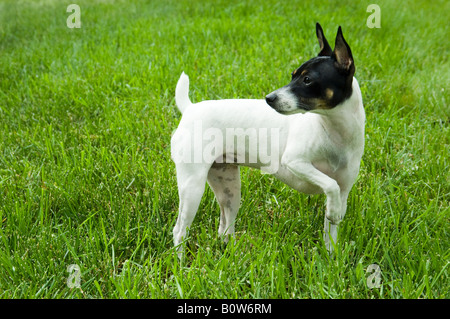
<point>286,100</point>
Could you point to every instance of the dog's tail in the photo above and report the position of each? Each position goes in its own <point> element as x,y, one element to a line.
<point>182,93</point>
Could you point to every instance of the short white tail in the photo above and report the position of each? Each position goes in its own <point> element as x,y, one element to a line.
<point>182,93</point>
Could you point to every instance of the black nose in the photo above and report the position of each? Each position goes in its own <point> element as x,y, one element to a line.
<point>270,98</point>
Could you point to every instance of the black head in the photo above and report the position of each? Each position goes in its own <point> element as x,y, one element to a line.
<point>320,83</point>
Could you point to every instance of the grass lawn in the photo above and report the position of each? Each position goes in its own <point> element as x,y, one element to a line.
<point>86,116</point>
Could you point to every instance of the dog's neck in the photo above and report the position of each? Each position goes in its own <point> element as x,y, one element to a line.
<point>345,122</point>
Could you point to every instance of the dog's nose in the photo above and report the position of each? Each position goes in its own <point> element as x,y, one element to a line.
<point>270,98</point>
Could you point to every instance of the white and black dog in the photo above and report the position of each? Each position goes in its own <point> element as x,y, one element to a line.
<point>309,134</point>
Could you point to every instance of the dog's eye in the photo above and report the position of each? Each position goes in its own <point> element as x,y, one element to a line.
<point>306,80</point>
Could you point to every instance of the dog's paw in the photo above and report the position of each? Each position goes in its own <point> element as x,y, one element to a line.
<point>334,213</point>
<point>333,220</point>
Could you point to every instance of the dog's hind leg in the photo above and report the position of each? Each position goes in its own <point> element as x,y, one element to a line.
<point>191,180</point>
<point>225,181</point>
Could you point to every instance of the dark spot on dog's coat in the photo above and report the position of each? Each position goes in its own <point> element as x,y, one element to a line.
<point>228,192</point>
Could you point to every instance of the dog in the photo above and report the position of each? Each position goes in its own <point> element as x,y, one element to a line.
<point>318,120</point>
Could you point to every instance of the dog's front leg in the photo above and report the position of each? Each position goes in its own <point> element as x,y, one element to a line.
<point>335,207</point>
<point>330,232</point>
<point>305,171</point>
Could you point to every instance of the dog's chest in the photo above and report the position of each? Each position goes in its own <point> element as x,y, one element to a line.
<point>332,163</point>
<point>340,163</point>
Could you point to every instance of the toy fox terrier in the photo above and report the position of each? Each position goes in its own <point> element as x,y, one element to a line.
<point>318,120</point>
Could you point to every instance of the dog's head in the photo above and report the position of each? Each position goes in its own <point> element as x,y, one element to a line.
<point>320,83</point>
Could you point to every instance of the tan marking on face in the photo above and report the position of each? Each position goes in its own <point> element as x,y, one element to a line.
<point>304,72</point>
<point>329,93</point>
<point>316,103</point>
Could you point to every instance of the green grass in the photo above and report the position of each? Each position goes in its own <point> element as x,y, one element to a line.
<point>86,178</point>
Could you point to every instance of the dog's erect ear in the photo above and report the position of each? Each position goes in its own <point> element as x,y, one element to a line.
<point>325,49</point>
<point>343,55</point>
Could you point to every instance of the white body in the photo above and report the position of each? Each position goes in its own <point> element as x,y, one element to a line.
<point>318,152</point>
